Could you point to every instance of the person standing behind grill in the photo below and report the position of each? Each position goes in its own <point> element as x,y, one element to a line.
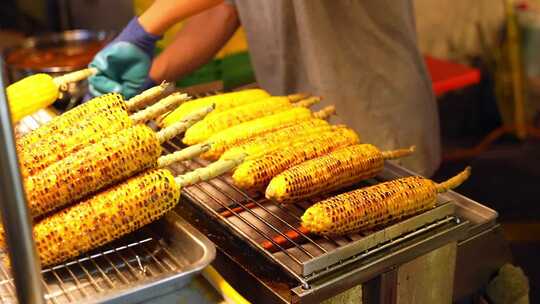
<point>361,56</point>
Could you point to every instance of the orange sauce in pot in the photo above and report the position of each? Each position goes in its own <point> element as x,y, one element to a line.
<point>75,55</point>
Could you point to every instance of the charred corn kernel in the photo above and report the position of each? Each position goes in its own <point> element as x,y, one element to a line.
<point>38,91</point>
<point>258,172</point>
<point>56,147</point>
<point>214,123</point>
<point>337,169</point>
<point>110,160</point>
<point>115,212</point>
<point>67,121</point>
<point>238,134</point>
<point>272,141</point>
<point>377,205</point>
<point>222,102</point>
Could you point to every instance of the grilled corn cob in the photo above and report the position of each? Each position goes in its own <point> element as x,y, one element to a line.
<point>377,205</point>
<point>272,141</point>
<point>337,169</point>
<point>222,102</point>
<point>71,118</point>
<point>241,133</point>
<point>38,91</point>
<point>115,212</point>
<point>89,130</point>
<point>216,122</point>
<point>258,172</point>
<point>106,162</point>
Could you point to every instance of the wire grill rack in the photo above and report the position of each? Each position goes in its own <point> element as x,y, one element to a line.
<point>260,222</point>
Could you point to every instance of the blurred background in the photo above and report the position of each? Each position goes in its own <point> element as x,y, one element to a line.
<point>483,56</point>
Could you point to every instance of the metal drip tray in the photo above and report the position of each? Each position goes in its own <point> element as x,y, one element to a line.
<point>154,261</point>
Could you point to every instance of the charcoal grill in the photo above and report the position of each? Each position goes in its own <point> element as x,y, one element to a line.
<point>240,222</point>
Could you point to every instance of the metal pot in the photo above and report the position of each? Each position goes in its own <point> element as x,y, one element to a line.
<point>56,54</point>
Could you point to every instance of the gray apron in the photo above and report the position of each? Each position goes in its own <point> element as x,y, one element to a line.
<point>361,56</point>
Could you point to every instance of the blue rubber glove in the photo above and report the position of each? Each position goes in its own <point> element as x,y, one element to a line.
<point>124,64</point>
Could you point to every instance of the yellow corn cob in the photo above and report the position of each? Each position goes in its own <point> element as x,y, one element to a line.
<point>38,156</point>
<point>377,205</point>
<point>115,212</point>
<point>216,122</point>
<point>70,119</point>
<point>109,119</point>
<point>111,159</point>
<point>38,91</point>
<point>63,122</point>
<point>338,169</point>
<point>258,172</point>
<point>241,133</point>
<point>266,143</point>
<point>108,161</point>
<point>222,102</point>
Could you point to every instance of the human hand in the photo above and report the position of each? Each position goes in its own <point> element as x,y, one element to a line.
<point>124,63</point>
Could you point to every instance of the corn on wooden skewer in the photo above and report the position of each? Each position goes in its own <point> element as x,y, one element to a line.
<point>266,143</point>
<point>164,105</point>
<point>216,122</point>
<point>258,172</point>
<point>377,205</point>
<point>222,102</point>
<point>337,169</point>
<point>243,132</point>
<point>108,161</point>
<point>146,97</point>
<point>38,91</point>
<point>71,118</point>
<point>89,130</point>
<point>115,212</point>
<point>63,122</point>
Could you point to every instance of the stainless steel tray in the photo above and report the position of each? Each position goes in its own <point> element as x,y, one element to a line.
<point>152,262</point>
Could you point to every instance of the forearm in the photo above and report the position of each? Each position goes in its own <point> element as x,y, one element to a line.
<point>163,14</point>
<point>199,40</point>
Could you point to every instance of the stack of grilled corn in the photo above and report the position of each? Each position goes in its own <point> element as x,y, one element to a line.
<point>297,155</point>
<point>115,212</point>
<point>273,142</point>
<point>81,126</point>
<point>108,161</point>
<point>77,176</point>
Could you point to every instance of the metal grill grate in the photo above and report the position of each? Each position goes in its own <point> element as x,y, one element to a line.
<point>262,222</point>
<point>138,257</point>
